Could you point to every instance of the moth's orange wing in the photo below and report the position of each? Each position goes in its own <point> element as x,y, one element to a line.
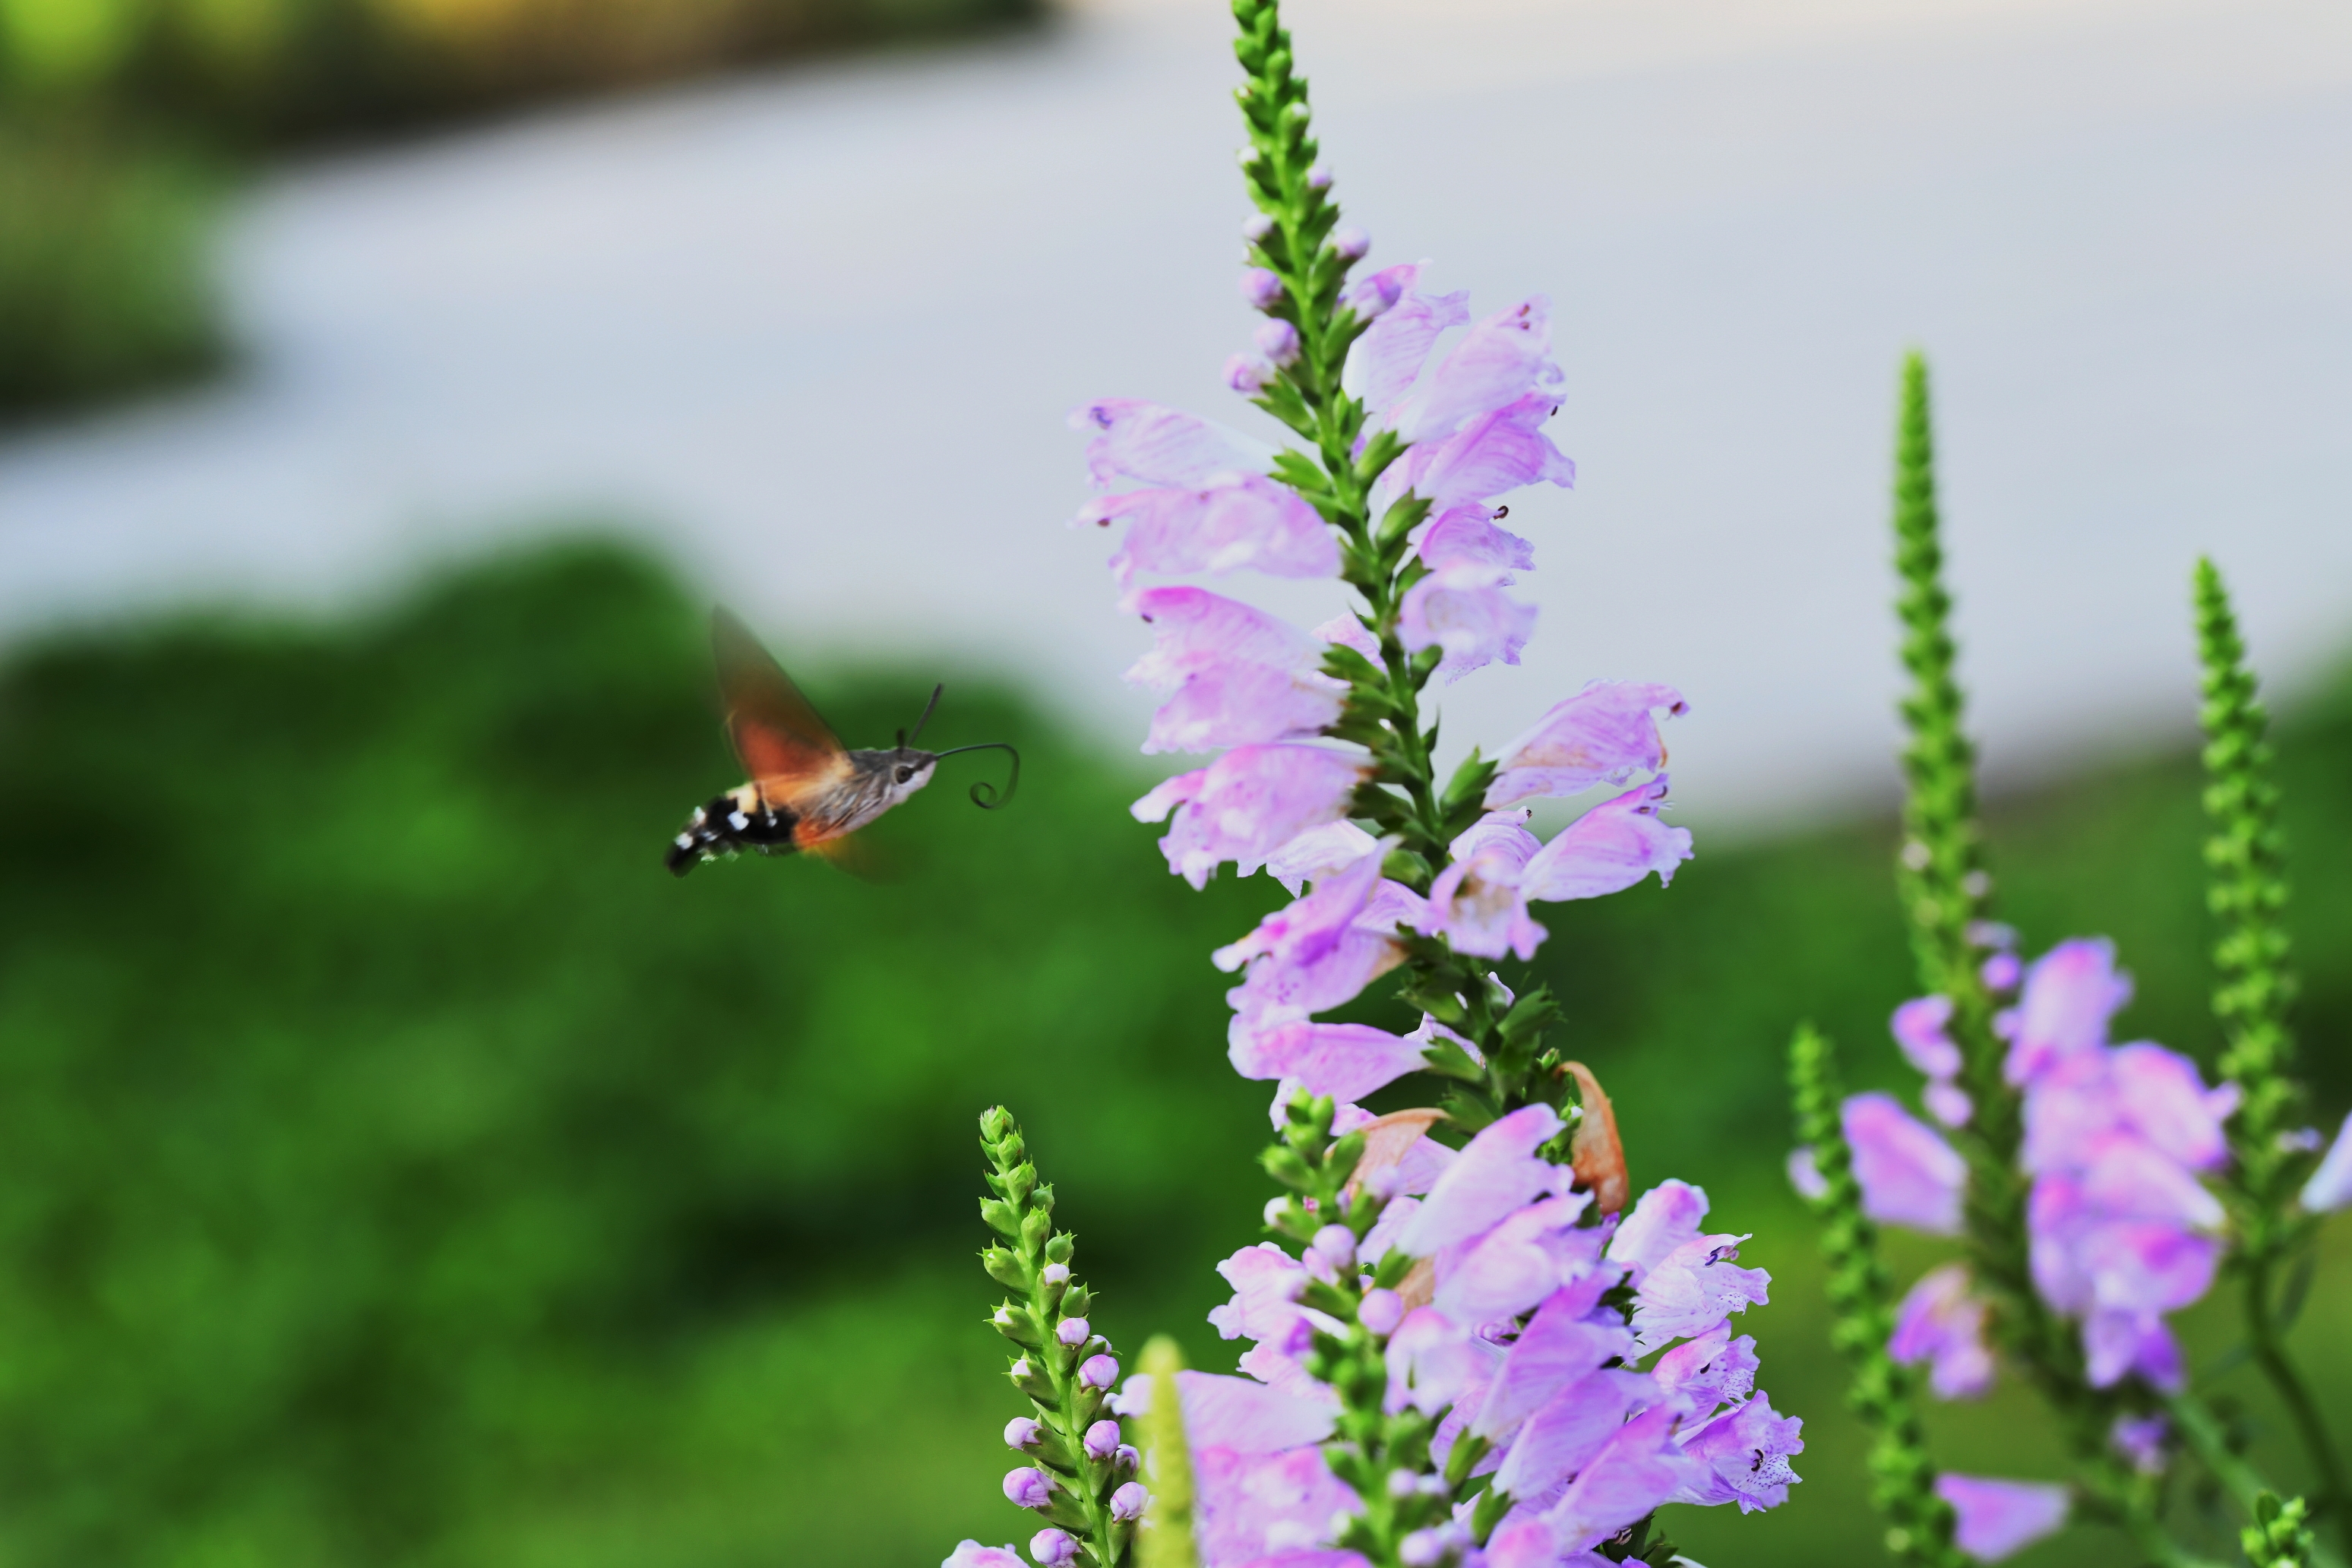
<point>850,852</point>
<point>783,746</point>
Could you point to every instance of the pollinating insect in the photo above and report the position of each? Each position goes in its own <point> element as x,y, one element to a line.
<point>807,792</point>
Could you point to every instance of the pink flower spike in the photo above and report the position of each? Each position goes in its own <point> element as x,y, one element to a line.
<point>1603,734</point>
<point>2330,1187</point>
<point>2071,993</point>
<point>1942,1322</point>
<point>1464,610</point>
<point>1242,520</point>
<point>1497,1171</point>
<point>1609,848</point>
<point>1247,805</point>
<point>1465,535</point>
<point>1999,1518</point>
<point>1910,1175</point>
<point>1499,362</point>
<point>1159,446</point>
<point>1345,1061</point>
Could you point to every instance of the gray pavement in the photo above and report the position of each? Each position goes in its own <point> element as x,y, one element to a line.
<point>814,333</point>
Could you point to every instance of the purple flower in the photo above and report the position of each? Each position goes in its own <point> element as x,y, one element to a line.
<point>1279,340</point>
<point>1476,903</point>
<point>1805,1175</point>
<point>1496,452</point>
<point>1098,1372</point>
<point>1267,1283</point>
<point>1693,1290</point>
<point>1910,1175</point>
<point>1021,1432</point>
<point>1711,1370</point>
<point>1229,675</point>
<point>1465,535</point>
<point>1663,1218</point>
<point>1261,288</point>
<point>1942,1322</point>
<point>1746,1451</point>
<point>1154,445</point>
<point>1999,1518</point>
<point>1262,1508</point>
<point>1240,1414</point>
<point>1381,1311</point>
<point>1496,1173</point>
<point>1568,1431</point>
<point>1517,1263</point>
<point>1919,1026</point>
<point>1563,1344</point>
<point>1639,1468</point>
<point>1102,1440</point>
<point>1345,1061</point>
<point>1609,848</point>
<point>1351,244</point>
<point>2070,993</point>
<point>1319,951</point>
<point>1027,1488</point>
<point>1053,1548</point>
<point>2330,1187</point>
<point>1317,853</point>
<point>972,1554</point>
<point>1603,734</point>
<point>1497,362</point>
<point>2142,1440</point>
<point>1243,519</point>
<point>1383,363</point>
<point>1247,374</point>
<point>1464,610</point>
<point>1248,804</point>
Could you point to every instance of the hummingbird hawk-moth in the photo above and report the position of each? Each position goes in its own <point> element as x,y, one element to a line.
<point>804,791</point>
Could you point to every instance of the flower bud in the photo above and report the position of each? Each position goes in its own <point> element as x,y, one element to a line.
<point>1279,340</point>
<point>1027,1488</point>
<point>1402,1483</point>
<point>2001,971</point>
<point>1023,1433</point>
<point>1421,1549</point>
<point>1054,1275</point>
<point>1318,178</point>
<point>1098,1372</point>
<point>1261,288</point>
<point>1126,1503</point>
<point>1381,1311</point>
<point>1247,374</point>
<point>1073,1332</point>
<point>1053,1548</point>
<point>1126,1460</point>
<point>1275,1209</point>
<point>1256,226</point>
<point>1384,1185</point>
<point>1352,244</point>
<point>1030,1379</point>
<point>1102,1440</point>
<point>1336,1245</point>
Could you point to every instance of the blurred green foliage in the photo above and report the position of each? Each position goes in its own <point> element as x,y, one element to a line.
<point>104,283</point>
<point>397,1167</point>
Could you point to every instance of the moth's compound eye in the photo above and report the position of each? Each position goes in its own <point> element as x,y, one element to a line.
<point>904,773</point>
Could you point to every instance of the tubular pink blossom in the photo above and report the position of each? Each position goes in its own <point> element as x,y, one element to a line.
<point>1476,903</point>
<point>1496,453</point>
<point>1267,1508</point>
<point>1515,1264</point>
<point>1230,675</point>
<point>1267,1283</point>
<point>1638,1468</point>
<point>1999,1518</point>
<point>1559,1346</point>
<point>1603,734</point>
<point>1713,1368</point>
<point>1244,1415</point>
<point>1308,929</point>
<point>1247,805</point>
<point>1385,361</point>
<point>2330,1187</point>
<point>1910,1175</point>
<point>1693,1289</point>
<point>1317,853</point>
<point>1464,610</point>
<point>1495,1173</point>
<point>1374,296</point>
<point>1245,520</point>
<point>1345,1061</point>
<point>1497,361</point>
<point>1942,1322</point>
<point>1746,1454</point>
<point>1666,1218</point>
<point>972,1554</point>
<point>2070,994</point>
<point>1569,1430</point>
<point>1155,445</point>
<point>1465,535</point>
<point>1919,1027</point>
<point>1609,848</point>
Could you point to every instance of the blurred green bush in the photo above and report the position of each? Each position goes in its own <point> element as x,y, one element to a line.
<point>397,1167</point>
<point>104,287</point>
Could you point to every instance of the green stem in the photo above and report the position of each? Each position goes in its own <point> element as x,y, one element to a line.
<point>2270,1354</point>
<point>2239,1479</point>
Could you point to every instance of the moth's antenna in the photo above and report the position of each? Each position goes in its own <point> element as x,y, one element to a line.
<point>983,796</point>
<point>907,740</point>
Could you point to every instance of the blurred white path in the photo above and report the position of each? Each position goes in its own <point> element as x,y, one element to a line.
<point>816,332</point>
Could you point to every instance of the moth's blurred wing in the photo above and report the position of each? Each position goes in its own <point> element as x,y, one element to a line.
<point>777,736</point>
<point>852,853</point>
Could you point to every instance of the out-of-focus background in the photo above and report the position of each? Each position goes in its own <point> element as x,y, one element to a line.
<point>395,1168</point>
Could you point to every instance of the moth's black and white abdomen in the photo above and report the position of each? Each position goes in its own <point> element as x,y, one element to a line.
<point>729,823</point>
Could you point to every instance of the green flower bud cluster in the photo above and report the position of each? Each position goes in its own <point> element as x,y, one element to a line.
<point>2278,1537</point>
<point>1884,1393</point>
<point>1045,1319</point>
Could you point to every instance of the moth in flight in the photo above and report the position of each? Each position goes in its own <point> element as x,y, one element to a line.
<point>805,792</point>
